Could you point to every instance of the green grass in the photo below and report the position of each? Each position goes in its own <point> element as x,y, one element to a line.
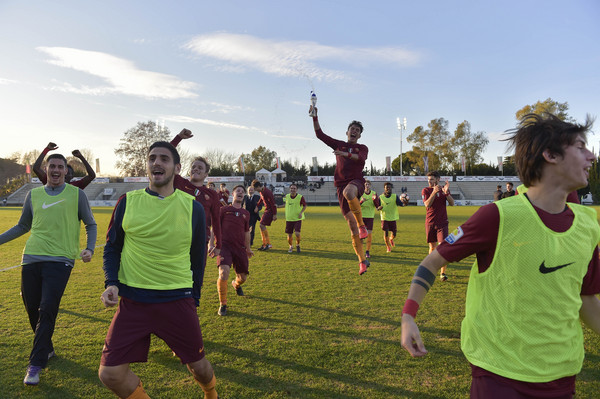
<point>308,327</point>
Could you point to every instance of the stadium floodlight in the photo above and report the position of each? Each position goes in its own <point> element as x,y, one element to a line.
<point>401,127</point>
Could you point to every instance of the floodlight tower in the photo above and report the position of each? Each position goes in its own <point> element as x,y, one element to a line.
<point>401,127</point>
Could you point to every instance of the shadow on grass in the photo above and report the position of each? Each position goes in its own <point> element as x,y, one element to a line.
<point>272,385</point>
<point>86,316</point>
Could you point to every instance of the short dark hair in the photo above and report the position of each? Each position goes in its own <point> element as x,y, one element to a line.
<point>57,156</point>
<point>294,184</point>
<point>498,186</point>
<point>537,133</point>
<point>434,173</point>
<point>387,183</point>
<point>256,183</point>
<point>204,161</point>
<point>356,123</point>
<point>510,183</point>
<point>168,146</point>
<point>239,185</point>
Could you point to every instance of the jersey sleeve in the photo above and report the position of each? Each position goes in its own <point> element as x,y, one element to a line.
<point>591,281</point>
<point>115,236</point>
<point>329,141</point>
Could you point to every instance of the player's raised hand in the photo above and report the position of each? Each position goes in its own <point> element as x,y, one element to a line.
<point>77,154</point>
<point>186,134</point>
<point>411,337</point>
<point>446,187</point>
<point>52,146</point>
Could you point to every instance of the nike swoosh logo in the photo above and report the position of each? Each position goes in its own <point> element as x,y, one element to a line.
<point>546,270</point>
<point>46,206</point>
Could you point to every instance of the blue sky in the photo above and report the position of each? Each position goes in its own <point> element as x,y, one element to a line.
<point>239,74</point>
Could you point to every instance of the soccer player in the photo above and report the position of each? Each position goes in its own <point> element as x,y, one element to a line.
<point>251,205</point>
<point>224,194</point>
<point>269,215</point>
<point>81,183</point>
<point>498,193</point>
<point>349,181</point>
<point>52,213</point>
<point>536,274</point>
<point>295,206</point>
<point>509,190</point>
<point>209,199</point>
<point>435,197</point>
<point>389,203</point>
<point>154,260</point>
<point>236,247</point>
<point>368,202</point>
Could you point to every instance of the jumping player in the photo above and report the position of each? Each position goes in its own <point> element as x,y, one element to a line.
<point>295,205</point>
<point>269,215</point>
<point>536,274</point>
<point>368,202</point>
<point>389,214</point>
<point>435,197</point>
<point>349,181</point>
<point>236,247</point>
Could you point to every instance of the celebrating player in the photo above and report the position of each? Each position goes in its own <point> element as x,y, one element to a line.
<point>368,202</point>
<point>236,247</point>
<point>154,259</point>
<point>435,197</point>
<point>295,205</point>
<point>269,215</point>
<point>389,214</point>
<point>52,213</point>
<point>536,274</point>
<point>349,181</point>
<point>81,183</point>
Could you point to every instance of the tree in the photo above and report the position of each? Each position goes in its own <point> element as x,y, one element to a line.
<point>132,151</point>
<point>221,163</point>
<point>77,165</point>
<point>549,106</point>
<point>434,143</point>
<point>468,145</point>
<point>260,157</point>
<point>408,166</point>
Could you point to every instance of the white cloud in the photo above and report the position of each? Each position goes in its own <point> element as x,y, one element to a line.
<point>121,76</point>
<point>7,81</point>
<point>294,58</point>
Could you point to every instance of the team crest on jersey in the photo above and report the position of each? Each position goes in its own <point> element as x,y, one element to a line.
<point>207,197</point>
<point>350,150</point>
<point>237,214</point>
<point>454,236</point>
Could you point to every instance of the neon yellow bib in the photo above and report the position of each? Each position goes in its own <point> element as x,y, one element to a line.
<point>55,226</point>
<point>293,208</point>
<point>390,209</point>
<point>522,314</point>
<point>158,237</point>
<point>368,207</point>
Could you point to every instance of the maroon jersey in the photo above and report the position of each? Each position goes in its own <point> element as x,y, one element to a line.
<point>346,169</point>
<point>81,183</point>
<point>436,213</point>
<point>235,223</point>
<point>209,200</point>
<point>480,234</point>
<point>224,195</point>
<point>268,200</point>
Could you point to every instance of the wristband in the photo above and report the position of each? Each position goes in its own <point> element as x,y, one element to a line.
<point>410,307</point>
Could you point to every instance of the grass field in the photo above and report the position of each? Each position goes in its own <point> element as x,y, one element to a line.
<point>308,327</point>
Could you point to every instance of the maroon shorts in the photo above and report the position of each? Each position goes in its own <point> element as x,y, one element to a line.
<point>436,232</point>
<point>487,385</point>
<point>290,227</point>
<point>388,225</point>
<point>368,223</point>
<point>175,322</point>
<point>360,184</point>
<point>234,257</point>
<point>266,219</point>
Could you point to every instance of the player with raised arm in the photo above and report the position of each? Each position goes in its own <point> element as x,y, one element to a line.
<point>536,274</point>
<point>435,197</point>
<point>349,181</point>
<point>236,247</point>
<point>81,183</point>
<point>269,215</point>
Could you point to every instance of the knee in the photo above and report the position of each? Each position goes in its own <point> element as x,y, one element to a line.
<point>223,273</point>
<point>202,370</point>
<point>242,277</point>
<point>110,376</point>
